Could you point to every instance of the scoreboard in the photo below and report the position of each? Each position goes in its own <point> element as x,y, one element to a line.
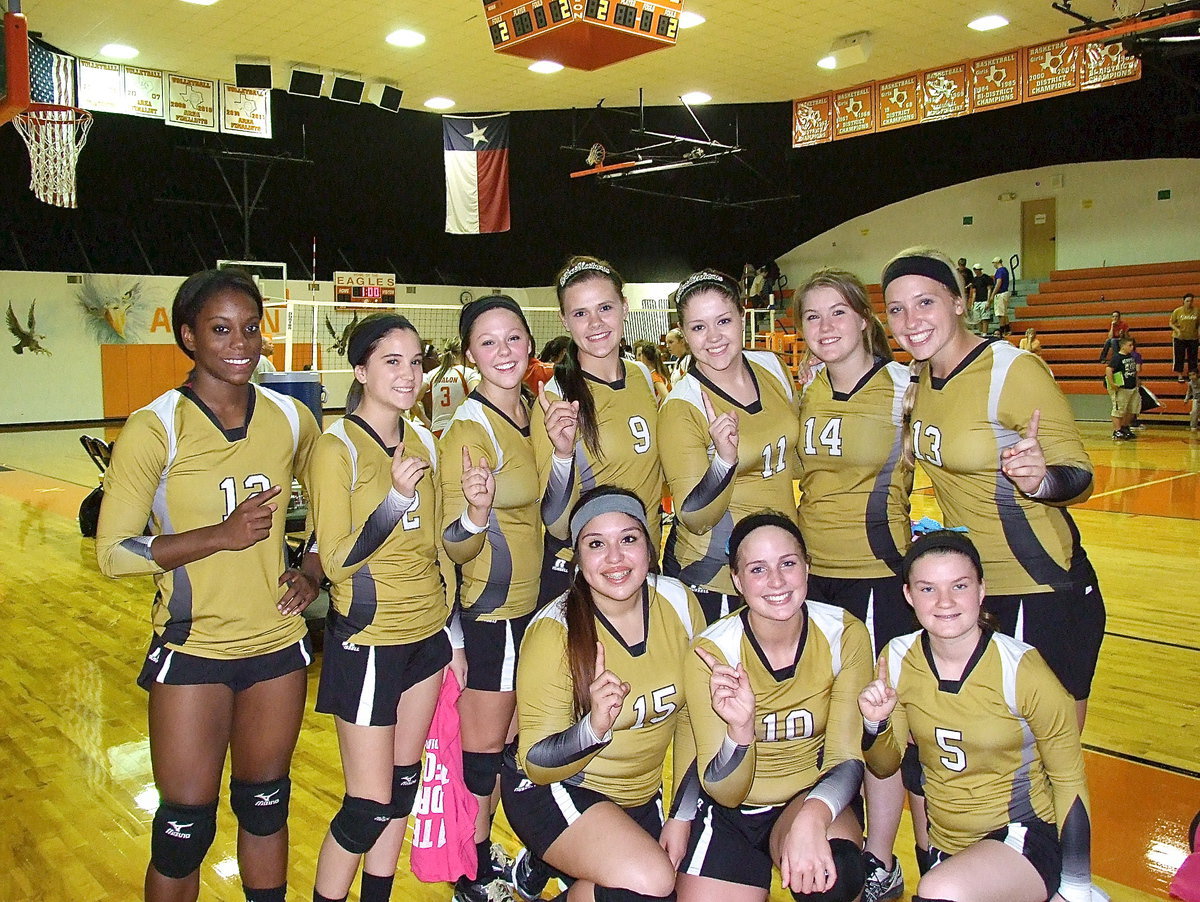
<point>582,34</point>
<point>364,288</point>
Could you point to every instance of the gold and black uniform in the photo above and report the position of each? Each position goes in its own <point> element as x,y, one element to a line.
<point>381,557</point>
<point>708,501</point>
<point>961,424</point>
<point>175,469</point>
<point>806,715</point>
<point>500,564</point>
<point>854,509</point>
<point>626,767</point>
<point>998,746</point>
<point>626,417</point>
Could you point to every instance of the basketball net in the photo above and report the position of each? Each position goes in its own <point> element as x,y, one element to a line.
<point>54,135</point>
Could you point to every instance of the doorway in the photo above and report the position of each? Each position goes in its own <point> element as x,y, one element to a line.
<point>1038,232</point>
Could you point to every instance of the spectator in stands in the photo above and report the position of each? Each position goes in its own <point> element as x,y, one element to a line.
<point>964,271</point>
<point>981,296</point>
<point>647,352</point>
<point>1121,379</point>
<point>1184,337</point>
<point>1117,329</point>
<point>264,361</point>
<point>1030,342</point>
<point>1001,294</point>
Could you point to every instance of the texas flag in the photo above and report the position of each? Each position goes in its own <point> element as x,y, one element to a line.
<point>476,150</point>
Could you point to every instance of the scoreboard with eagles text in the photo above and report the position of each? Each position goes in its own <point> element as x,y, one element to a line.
<point>582,34</point>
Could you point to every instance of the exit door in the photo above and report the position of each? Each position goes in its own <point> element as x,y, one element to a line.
<point>1038,232</point>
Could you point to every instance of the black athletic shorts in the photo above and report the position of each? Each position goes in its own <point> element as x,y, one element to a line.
<point>716,605</point>
<point>1036,840</point>
<point>556,570</point>
<point>734,844</point>
<point>1066,626</point>
<point>879,603</point>
<point>541,814</point>
<point>491,648</point>
<point>362,684</point>
<point>176,668</point>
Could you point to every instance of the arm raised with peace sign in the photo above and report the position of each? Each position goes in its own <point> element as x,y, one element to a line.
<point>1024,463</point>
<point>479,488</point>
<point>723,430</point>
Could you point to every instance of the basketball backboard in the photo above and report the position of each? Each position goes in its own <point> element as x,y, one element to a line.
<point>14,67</point>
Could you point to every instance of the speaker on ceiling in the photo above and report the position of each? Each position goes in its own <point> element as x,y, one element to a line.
<point>386,97</point>
<point>253,75</point>
<point>307,84</point>
<point>347,90</point>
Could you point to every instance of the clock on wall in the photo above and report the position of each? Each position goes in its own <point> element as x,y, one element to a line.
<point>466,296</point>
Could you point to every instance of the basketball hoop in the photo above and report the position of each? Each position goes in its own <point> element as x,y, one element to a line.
<point>54,135</point>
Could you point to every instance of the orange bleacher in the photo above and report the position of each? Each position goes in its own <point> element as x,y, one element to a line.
<point>1071,313</point>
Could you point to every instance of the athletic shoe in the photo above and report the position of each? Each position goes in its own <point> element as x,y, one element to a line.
<point>495,890</point>
<point>1128,433</point>
<point>528,875</point>
<point>882,883</point>
<point>491,887</point>
<point>1119,436</point>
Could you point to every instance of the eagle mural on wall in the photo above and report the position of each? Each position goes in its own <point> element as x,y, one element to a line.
<point>28,339</point>
<point>114,311</point>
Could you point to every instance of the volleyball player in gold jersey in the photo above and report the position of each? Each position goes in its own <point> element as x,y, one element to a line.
<point>1003,767</point>
<point>377,507</point>
<point>854,508</point>
<point>732,429</point>
<point>491,529</point>
<point>599,413</point>
<point>999,442</point>
<point>193,498</point>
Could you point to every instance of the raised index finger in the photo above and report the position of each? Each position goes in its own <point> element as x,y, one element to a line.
<point>710,661</point>
<point>542,399</point>
<point>599,658</point>
<point>881,670</point>
<point>708,408</point>
<point>1034,421</point>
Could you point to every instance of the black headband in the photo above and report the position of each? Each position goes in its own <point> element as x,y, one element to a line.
<point>369,331</point>
<point>944,540</point>
<point>929,267</point>
<point>476,309</point>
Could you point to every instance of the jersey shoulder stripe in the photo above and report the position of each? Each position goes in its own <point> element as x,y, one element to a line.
<point>831,621</point>
<point>726,634</point>
<point>338,430</point>
<point>472,411</point>
<point>427,440</point>
<point>675,594</point>
<point>897,650</point>
<point>816,370</point>
<point>288,406</point>
<point>767,360</point>
<point>555,610</point>
<point>645,370</point>
<point>686,391</point>
<point>900,382</point>
<point>1011,652</point>
<point>164,407</point>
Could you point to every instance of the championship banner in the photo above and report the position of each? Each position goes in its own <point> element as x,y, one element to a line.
<point>191,103</point>
<point>100,87</point>
<point>944,93</point>
<point>245,111</point>
<point>1101,66</point>
<point>896,102</point>
<point>812,120</point>
<point>854,111</point>
<point>144,92</point>
<point>1050,70</point>
<point>995,81</point>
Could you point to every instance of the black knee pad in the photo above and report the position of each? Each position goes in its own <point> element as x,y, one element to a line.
<point>608,894</point>
<point>180,837</point>
<point>480,770</point>
<point>359,823</point>
<point>406,780</point>
<point>910,771</point>
<point>261,808</point>
<point>927,899</point>
<point>851,873</point>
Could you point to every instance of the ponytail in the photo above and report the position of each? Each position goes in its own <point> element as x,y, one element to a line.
<point>354,396</point>
<point>449,357</point>
<point>581,643</point>
<point>908,441</point>
<point>574,385</point>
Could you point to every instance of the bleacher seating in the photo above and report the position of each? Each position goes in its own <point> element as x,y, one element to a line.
<point>1071,313</point>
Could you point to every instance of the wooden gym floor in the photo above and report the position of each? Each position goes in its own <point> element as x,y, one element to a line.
<point>76,795</point>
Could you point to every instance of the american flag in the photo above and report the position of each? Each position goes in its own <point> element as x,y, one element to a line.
<point>51,76</point>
